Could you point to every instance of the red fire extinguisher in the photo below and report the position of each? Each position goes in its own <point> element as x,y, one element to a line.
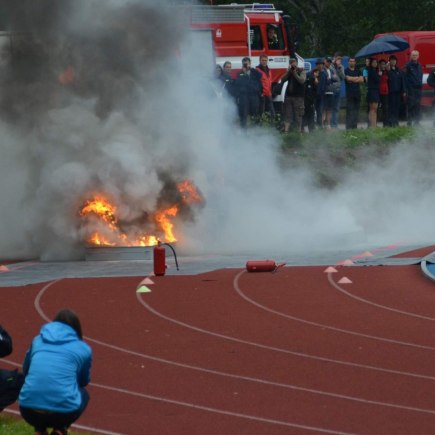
<point>159,257</point>
<point>262,266</point>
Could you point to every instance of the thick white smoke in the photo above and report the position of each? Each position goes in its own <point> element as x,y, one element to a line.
<point>138,116</point>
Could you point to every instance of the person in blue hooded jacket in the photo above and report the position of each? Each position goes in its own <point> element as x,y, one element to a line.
<point>57,367</point>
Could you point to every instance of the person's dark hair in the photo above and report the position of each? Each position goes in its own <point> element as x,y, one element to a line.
<point>392,57</point>
<point>70,318</point>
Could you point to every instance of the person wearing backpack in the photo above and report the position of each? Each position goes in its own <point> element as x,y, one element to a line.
<point>11,381</point>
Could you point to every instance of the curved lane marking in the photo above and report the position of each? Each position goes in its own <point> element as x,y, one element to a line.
<point>281,350</point>
<point>241,377</point>
<point>384,307</point>
<point>321,325</point>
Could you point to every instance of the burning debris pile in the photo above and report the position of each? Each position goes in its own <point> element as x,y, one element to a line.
<point>101,225</point>
<point>97,150</point>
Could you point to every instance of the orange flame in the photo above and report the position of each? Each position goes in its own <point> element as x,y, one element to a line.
<point>189,192</point>
<point>109,231</point>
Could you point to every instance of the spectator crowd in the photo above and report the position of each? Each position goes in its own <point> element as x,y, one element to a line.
<point>313,99</point>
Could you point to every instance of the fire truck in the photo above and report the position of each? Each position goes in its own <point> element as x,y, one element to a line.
<point>424,42</point>
<point>240,30</point>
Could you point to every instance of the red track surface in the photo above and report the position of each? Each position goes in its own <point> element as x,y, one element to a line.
<point>230,352</point>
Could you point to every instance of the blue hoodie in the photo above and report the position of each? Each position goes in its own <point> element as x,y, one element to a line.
<point>57,364</point>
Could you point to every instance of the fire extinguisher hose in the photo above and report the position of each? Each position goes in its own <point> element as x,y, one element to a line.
<point>175,255</point>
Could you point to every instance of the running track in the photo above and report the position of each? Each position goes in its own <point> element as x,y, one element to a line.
<point>231,352</point>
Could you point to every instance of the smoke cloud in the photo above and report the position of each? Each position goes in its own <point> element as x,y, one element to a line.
<point>114,97</point>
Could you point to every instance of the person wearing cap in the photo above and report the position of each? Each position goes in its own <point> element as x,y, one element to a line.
<point>294,96</point>
<point>248,88</point>
<point>320,91</point>
<point>396,91</point>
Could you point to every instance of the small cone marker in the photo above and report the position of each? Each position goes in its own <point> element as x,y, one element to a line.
<point>330,269</point>
<point>345,280</point>
<point>143,289</point>
<point>347,262</point>
<point>146,281</point>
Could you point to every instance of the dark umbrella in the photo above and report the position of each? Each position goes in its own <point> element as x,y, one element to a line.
<point>376,47</point>
<point>399,42</point>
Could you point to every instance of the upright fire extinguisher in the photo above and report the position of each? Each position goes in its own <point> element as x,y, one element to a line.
<point>159,257</point>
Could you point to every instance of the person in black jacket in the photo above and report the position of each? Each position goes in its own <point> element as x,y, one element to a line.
<point>294,102</point>
<point>10,380</point>
<point>247,89</point>
<point>396,91</point>
<point>431,83</point>
<point>414,84</point>
<point>5,343</point>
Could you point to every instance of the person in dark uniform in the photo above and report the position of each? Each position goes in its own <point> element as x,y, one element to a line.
<point>353,79</point>
<point>248,89</point>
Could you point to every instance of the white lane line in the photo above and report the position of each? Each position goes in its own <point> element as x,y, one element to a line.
<point>374,304</point>
<point>245,378</point>
<point>281,350</point>
<point>223,412</point>
<point>320,325</point>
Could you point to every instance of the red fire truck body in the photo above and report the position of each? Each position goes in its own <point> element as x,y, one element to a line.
<point>424,42</point>
<point>240,30</point>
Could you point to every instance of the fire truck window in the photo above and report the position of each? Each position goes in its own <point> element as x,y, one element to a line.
<point>255,34</point>
<point>275,40</point>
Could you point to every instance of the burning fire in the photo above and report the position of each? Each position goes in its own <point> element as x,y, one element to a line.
<point>102,214</point>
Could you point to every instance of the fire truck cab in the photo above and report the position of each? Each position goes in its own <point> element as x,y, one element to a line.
<point>240,30</point>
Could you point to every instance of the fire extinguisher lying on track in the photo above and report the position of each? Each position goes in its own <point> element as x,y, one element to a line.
<point>262,266</point>
<point>159,257</point>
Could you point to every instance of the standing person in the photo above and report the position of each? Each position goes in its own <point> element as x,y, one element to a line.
<point>338,67</point>
<point>266,101</point>
<point>383,91</point>
<point>294,96</point>
<point>396,91</point>
<point>331,81</point>
<point>248,88</point>
<point>310,99</point>
<point>272,37</point>
<point>353,79</point>
<point>431,83</point>
<point>10,380</point>
<point>227,67</point>
<point>373,79</point>
<point>57,367</point>
<point>414,83</point>
<point>365,73</point>
<point>320,92</point>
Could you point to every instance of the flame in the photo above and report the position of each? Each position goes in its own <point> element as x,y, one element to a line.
<point>162,218</point>
<point>106,230</point>
<point>189,192</point>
